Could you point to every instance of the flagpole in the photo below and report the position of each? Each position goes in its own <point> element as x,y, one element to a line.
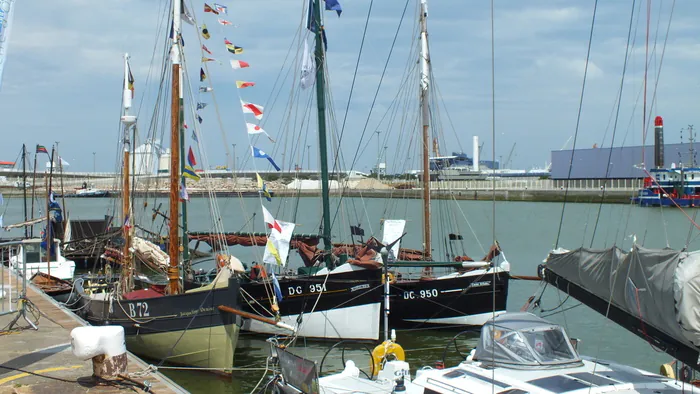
<point>175,122</point>
<point>36,155</point>
<point>321,107</point>
<point>24,187</point>
<point>49,239</point>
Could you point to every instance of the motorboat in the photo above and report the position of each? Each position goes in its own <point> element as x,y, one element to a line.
<point>517,353</point>
<point>58,266</point>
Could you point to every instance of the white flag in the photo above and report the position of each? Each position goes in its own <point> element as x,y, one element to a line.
<point>277,248</point>
<point>308,68</point>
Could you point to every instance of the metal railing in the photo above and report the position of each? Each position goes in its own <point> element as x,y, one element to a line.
<point>13,279</point>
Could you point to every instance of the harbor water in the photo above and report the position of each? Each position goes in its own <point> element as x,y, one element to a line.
<point>526,231</point>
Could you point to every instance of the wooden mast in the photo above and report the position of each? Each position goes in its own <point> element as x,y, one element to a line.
<point>128,121</point>
<point>173,236</point>
<point>425,110</point>
<point>321,109</point>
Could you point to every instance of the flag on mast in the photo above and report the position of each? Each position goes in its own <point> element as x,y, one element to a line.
<point>262,155</point>
<point>205,32</point>
<point>238,64</point>
<point>250,108</point>
<point>190,158</point>
<point>308,68</point>
<point>41,149</point>
<point>224,22</point>
<point>244,84</point>
<point>263,187</point>
<point>208,8</point>
<point>222,8</point>
<point>270,220</point>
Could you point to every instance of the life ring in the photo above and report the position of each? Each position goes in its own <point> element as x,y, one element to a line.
<point>667,371</point>
<point>392,278</point>
<point>257,271</point>
<point>221,261</point>
<point>382,351</point>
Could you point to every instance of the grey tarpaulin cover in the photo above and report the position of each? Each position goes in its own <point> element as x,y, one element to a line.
<point>660,286</point>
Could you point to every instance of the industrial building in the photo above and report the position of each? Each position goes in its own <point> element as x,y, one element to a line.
<point>621,163</point>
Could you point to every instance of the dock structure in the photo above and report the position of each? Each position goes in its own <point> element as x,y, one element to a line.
<point>41,360</point>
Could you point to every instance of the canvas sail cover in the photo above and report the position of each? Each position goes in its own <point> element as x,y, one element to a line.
<point>659,286</point>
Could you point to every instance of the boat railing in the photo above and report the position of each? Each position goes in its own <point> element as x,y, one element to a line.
<point>13,279</point>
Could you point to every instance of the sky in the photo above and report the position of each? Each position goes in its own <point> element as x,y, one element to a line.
<point>64,73</point>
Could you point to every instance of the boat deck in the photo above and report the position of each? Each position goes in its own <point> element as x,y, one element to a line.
<point>41,361</point>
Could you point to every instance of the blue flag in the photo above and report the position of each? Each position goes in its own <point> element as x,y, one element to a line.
<point>276,286</point>
<point>333,5</point>
<point>262,155</point>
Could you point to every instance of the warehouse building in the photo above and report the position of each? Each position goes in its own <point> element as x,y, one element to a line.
<point>618,162</point>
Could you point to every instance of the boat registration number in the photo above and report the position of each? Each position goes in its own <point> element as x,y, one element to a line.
<point>312,288</point>
<point>412,295</point>
<point>139,309</point>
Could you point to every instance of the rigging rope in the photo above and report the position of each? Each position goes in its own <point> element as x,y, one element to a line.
<point>578,123</point>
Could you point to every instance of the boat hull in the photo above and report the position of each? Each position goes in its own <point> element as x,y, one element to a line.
<point>330,305</point>
<point>185,329</point>
<point>454,300</point>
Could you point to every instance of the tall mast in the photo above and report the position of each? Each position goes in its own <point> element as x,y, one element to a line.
<point>176,102</point>
<point>24,187</point>
<point>321,107</point>
<point>33,189</point>
<point>425,109</point>
<point>128,121</point>
<point>48,234</point>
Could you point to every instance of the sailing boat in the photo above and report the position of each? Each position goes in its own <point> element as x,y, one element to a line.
<point>166,323</point>
<point>467,297</point>
<point>320,302</point>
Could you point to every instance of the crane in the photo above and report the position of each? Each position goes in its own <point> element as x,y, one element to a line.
<point>507,163</point>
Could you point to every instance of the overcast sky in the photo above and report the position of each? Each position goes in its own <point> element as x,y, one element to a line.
<point>63,75</point>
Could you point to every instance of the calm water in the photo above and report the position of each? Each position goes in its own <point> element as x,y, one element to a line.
<point>526,232</point>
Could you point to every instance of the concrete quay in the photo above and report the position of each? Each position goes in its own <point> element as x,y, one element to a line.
<point>41,361</point>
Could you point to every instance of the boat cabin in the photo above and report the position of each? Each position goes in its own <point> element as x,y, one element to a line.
<point>523,340</point>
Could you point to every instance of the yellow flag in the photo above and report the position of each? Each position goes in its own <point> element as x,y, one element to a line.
<point>273,251</point>
<point>205,32</point>
<point>244,84</point>
<point>260,181</point>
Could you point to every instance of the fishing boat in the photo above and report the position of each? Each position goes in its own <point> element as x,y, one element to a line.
<point>193,327</point>
<point>326,297</point>
<point>469,294</point>
<point>674,186</point>
<point>516,353</point>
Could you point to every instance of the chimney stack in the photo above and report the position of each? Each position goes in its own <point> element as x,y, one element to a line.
<point>659,142</point>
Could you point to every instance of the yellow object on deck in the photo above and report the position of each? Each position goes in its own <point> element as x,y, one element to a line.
<point>382,352</point>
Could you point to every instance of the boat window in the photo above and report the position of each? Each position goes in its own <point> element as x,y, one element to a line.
<point>544,345</point>
<point>33,252</point>
<point>559,384</point>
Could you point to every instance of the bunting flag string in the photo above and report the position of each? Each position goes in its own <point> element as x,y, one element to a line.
<point>202,75</point>
<point>207,59</point>
<point>205,89</point>
<point>205,49</point>
<point>250,108</point>
<point>260,154</point>
<point>224,22</point>
<point>189,172</point>
<point>201,106</point>
<point>234,49</point>
<point>244,84</point>
<point>262,187</point>
<point>190,158</point>
<point>208,8</point>
<point>255,129</point>
<point>238,64</point>
<point>222,8</point>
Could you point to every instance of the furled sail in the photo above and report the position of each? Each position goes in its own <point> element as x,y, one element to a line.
<point>655,293</point>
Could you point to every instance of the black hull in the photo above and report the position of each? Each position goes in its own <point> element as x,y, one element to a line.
<point>301,296</point>
<point>633,324</point>
<point>451,302</point>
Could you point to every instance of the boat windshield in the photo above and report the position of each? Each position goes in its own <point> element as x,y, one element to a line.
<point>529,346</point>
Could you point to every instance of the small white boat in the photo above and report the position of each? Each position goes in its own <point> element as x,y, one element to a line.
<point>518,353</point>
<point>59,267</point>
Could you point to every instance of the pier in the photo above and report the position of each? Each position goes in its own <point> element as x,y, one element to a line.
<point>41,361</point>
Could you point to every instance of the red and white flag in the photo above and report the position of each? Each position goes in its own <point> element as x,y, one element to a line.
<point>224,22</point>
<point>205,49</point>
<point>250,108</point>
<point>270,220</point>
<point>238,64</point>
<point>244,84</point>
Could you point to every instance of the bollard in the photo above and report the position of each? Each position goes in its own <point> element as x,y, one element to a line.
<point>105,346</point>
